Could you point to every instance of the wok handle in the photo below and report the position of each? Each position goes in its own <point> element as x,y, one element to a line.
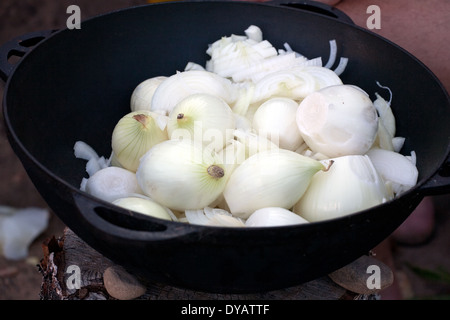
<point>439,183</point>
<point>122,223</point>
<point>18,47</point>
<point>316,7</point>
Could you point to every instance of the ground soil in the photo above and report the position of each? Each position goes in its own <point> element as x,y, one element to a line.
<point>420,28</point>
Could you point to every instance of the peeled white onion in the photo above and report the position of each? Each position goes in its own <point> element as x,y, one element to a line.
<point>272,178</point>
<point>350,185</point>
<point>275,120</point>
<point>253,143</point>
<point>141,98</point>
<point>202,117</point>
<point>144,206</point>
<point>181,175</point>
<point>248,101</point>
<point>338,120</point>
<point>232,155</point>
<point>134,134</point>
<point>242,123</point>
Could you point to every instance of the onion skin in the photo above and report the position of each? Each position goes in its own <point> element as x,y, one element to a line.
<point>203,117</point>
<point>134,134</point>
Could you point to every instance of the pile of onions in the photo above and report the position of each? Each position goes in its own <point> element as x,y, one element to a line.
<point>255,137</point>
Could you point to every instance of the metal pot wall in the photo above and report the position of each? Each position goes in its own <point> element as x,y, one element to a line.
<point>74,85</point>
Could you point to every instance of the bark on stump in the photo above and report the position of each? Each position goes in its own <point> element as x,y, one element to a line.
<point>70,250</point>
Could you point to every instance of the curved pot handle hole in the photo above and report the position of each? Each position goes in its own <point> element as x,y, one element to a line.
<point>120,222</point>
<point>12,51</point>
<point>439,183</point>
<point>315,7</point>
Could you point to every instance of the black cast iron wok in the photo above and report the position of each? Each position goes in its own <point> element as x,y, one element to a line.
<point>75,85</point>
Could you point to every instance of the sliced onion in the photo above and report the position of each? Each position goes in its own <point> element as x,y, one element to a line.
<point>341,66</point>
<point>289,84</point>
<point>385,112</point>
<point>253,143</point>
<point>245,92</point>
<point>94,163</point>
<point>395,168</point>
<point>213,217</point>
<point>397,143</point>
<point>235,56</point>
<point>19,228</point>
<point>387,88</point>
<point>112,183</point>
<point>254,33</point>
<point>193,66</point>
<point>182,84</point>
<point>324,77</point>
<point>273,216</point>
<point>412,157</point>
<point>84,151</point>
<point>92,166</point>
<point>384,139</point>
<point>333,54</point>
<point>257,71</point>
<point>242,123</point>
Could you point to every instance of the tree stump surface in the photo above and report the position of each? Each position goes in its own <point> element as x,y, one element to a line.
<point>70,250</point>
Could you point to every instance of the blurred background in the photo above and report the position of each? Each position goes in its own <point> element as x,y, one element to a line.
<point>420,27</point>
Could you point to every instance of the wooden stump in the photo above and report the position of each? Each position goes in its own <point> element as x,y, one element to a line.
<point>60,254</point>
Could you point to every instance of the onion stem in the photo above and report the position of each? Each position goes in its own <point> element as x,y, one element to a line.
<point>142,118</point>
<point>215,171</point>
<point>333,53</point>
<point>330,163</point>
